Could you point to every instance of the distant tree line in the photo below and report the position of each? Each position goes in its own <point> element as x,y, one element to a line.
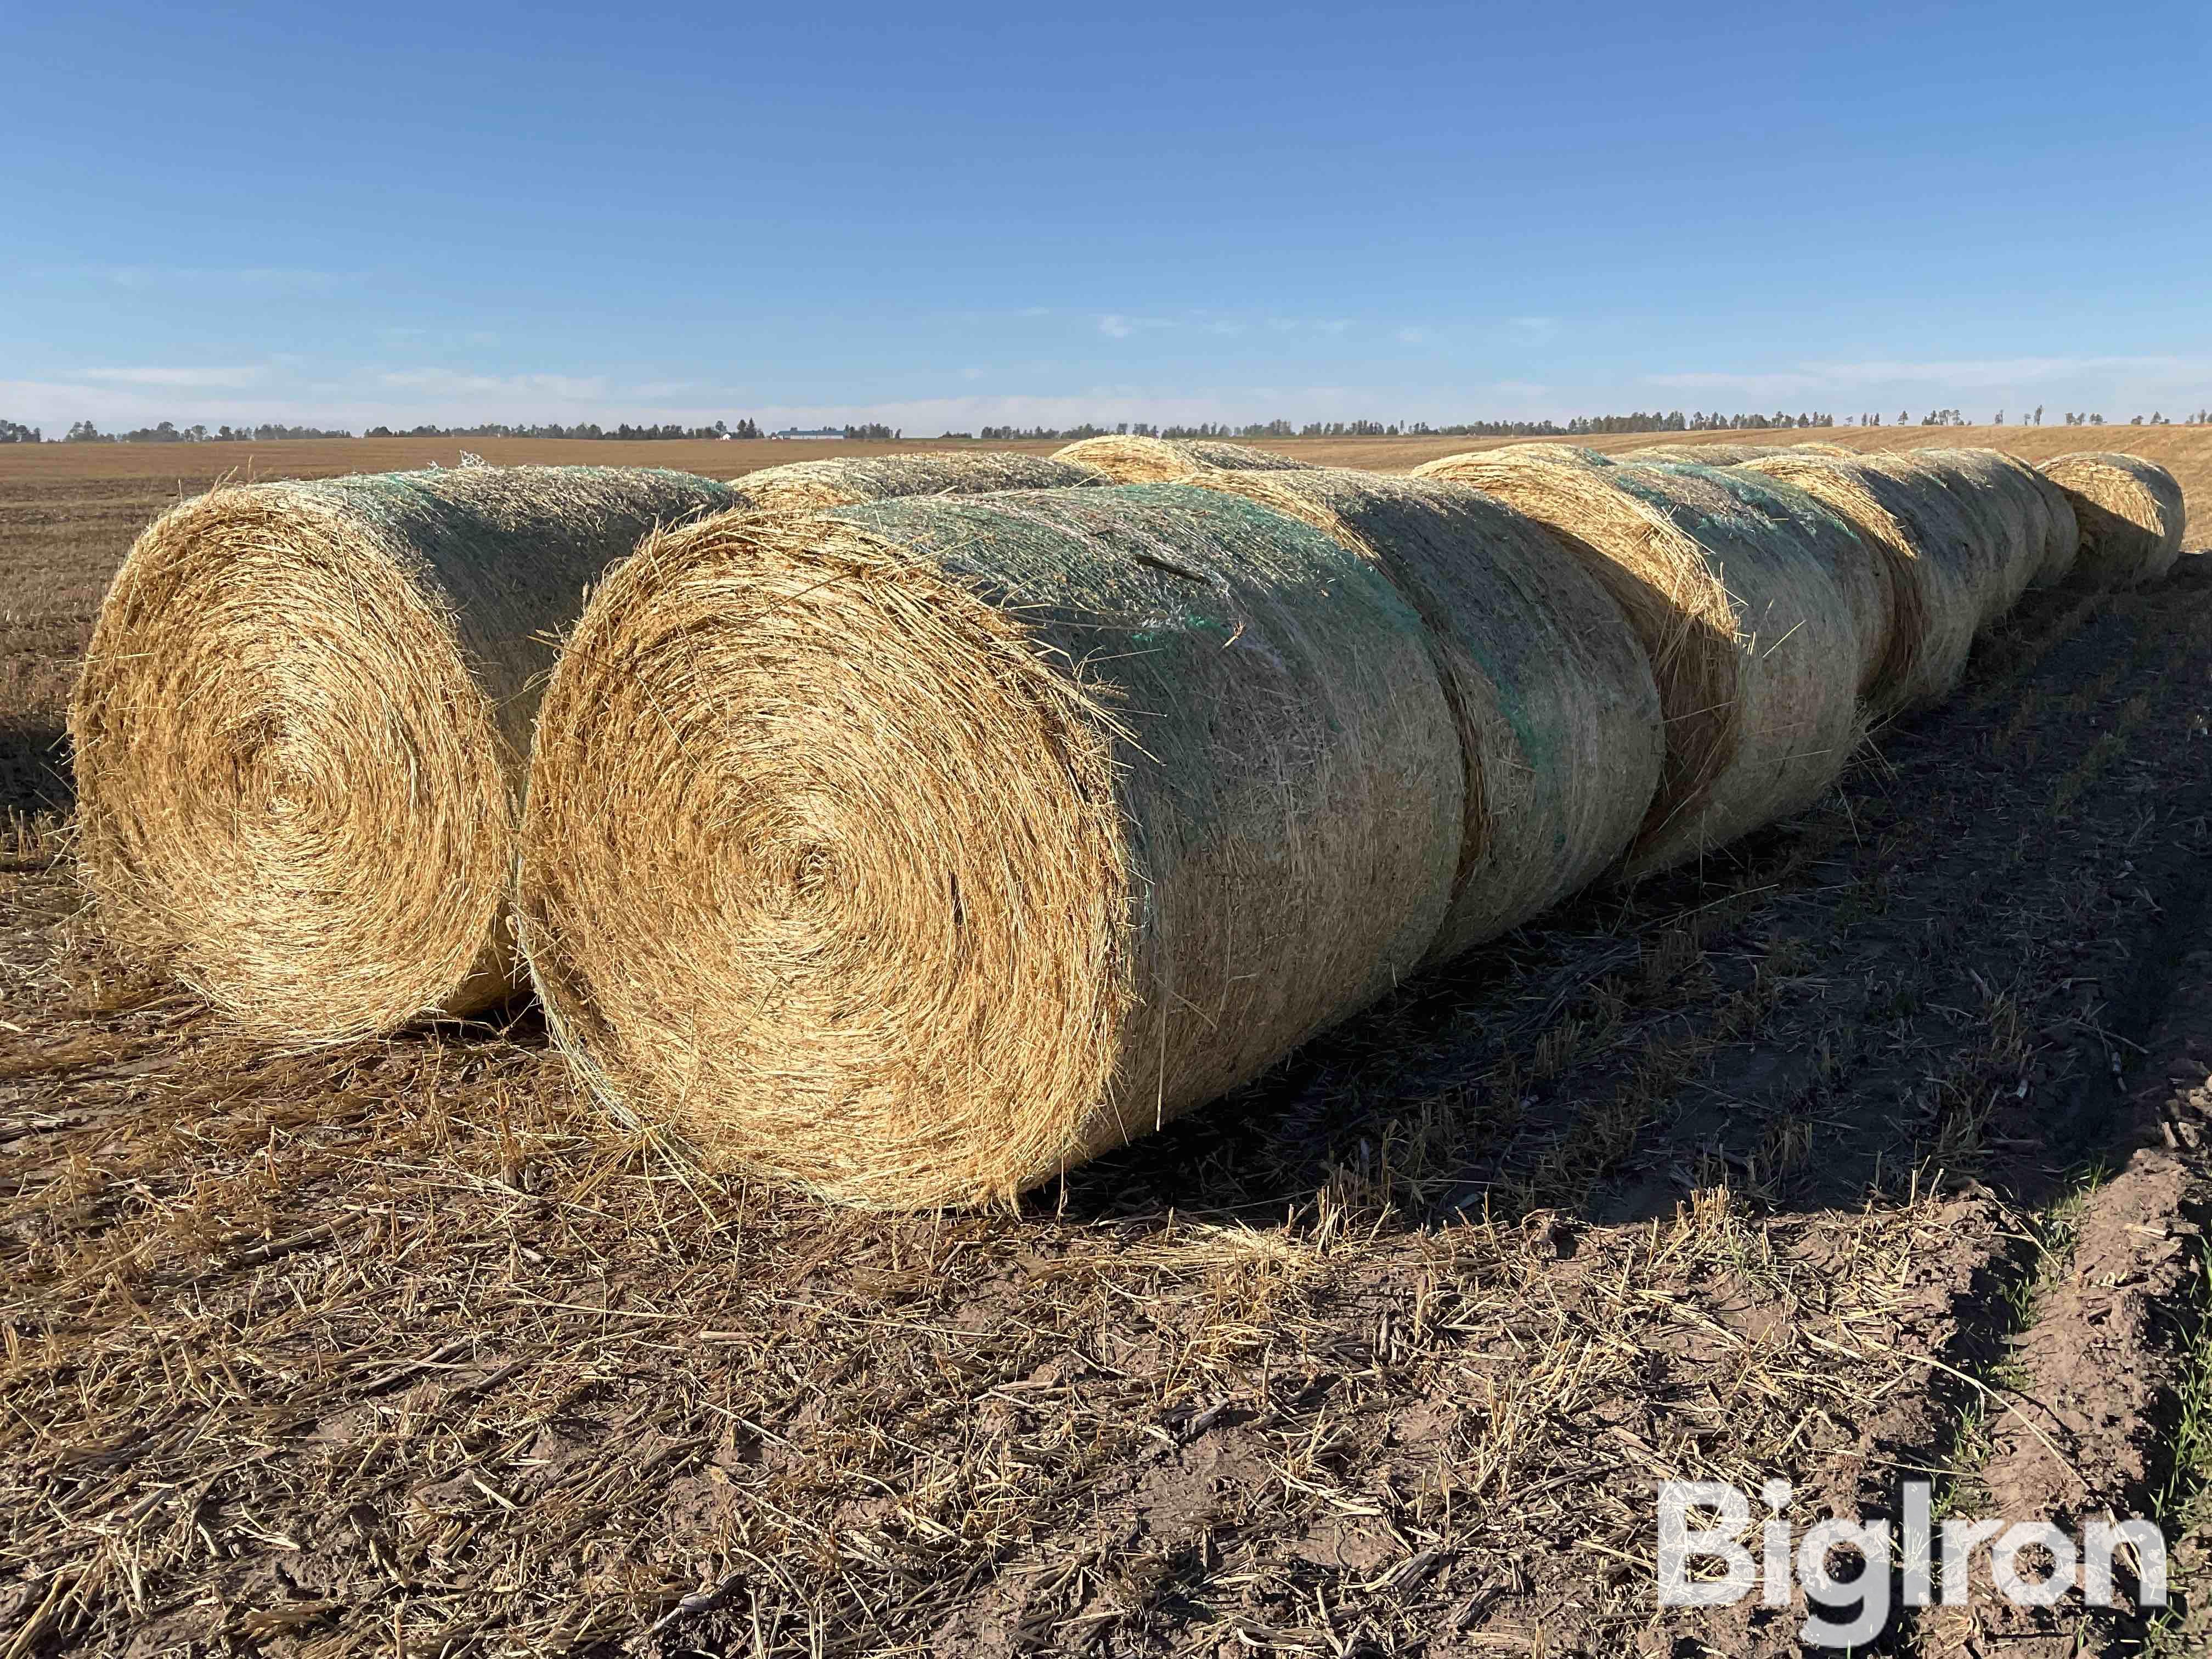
<point>84,432</point>
<point>13,432</point>
<point>667,434</point>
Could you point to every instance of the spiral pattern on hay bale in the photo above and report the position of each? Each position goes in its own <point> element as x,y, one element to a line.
<point>914,851</point>
<point>301,728</point>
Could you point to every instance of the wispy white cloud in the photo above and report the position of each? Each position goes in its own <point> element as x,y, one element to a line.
<point>198,379</point>
<point>2083,375</point>
<point>449,381</point>
<point>260,279</point>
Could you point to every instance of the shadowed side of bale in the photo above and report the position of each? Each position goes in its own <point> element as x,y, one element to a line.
<point>1926,548</point>
<point>1163,460</point>
<point>2130,512</point>
<point>2054,538</point>
<point>2064,545</point>
<point>1753,643</point>
<point>301,727</point>
<point>912,852</point>
<point>2007,535</point>
<point>842,481</point>
<point>1558,719</point>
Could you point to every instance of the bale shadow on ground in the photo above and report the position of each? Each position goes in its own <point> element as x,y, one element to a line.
<point>34,772</point>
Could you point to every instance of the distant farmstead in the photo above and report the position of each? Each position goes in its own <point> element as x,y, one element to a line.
<point>809,432</point>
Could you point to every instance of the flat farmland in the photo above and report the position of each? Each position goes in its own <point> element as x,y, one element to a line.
<point>1877,1144</point>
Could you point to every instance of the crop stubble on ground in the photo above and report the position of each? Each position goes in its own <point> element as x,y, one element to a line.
<point>1871,1150</point>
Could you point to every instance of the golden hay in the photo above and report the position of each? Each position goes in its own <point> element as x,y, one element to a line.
<point>1558,719</point>
<point>913,852</point>
<point>1715,454</point>
<point>1562,455</point>
<point>1164,460</point>
<point>302,725</point>
<point>2130,512</point>
<point>842,481</point>
<point>1752,641</point>
<point>1837,451</point>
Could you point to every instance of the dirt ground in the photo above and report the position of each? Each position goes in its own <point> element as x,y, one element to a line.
<point>1877,1148</point>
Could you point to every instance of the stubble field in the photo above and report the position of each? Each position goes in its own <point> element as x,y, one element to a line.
<point>1875,1148</point>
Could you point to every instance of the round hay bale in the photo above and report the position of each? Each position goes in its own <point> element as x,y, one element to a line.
<point>2051,542</point>
<point>843,480</point>
<point>1164,460</point>
<point>2006,517</point>
<point>1930,556</point>
<point>2130,512</point>
<point>1752,641</point>
<point>1861,573</point>
<point>2061,545</point>
<point>2054,535</point>
<point>1558,716</point>
<point>1558,454</point>
<point>1713,454</point>
<point>301,727</point>
<point>913,852</point>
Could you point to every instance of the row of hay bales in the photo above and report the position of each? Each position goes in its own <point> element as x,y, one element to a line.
<point>911,829</point>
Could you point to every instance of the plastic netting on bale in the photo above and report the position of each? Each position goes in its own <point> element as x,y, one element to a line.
<point>1558,715</point>
<point>845,480</point>
<point>1753,642</point>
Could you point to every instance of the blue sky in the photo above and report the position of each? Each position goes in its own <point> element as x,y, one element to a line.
<point>942,218</point>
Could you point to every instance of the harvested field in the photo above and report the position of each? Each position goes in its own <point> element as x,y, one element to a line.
<point>1877,1144</point>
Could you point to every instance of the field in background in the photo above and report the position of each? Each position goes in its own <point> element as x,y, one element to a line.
<point>1876,1147</point>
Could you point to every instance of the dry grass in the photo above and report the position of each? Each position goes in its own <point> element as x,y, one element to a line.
<point>1040,794</point>
<point>1558,716</point>
<point>301,730</point>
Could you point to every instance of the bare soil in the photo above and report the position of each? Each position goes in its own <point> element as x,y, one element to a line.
<point>1877,1147</point>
